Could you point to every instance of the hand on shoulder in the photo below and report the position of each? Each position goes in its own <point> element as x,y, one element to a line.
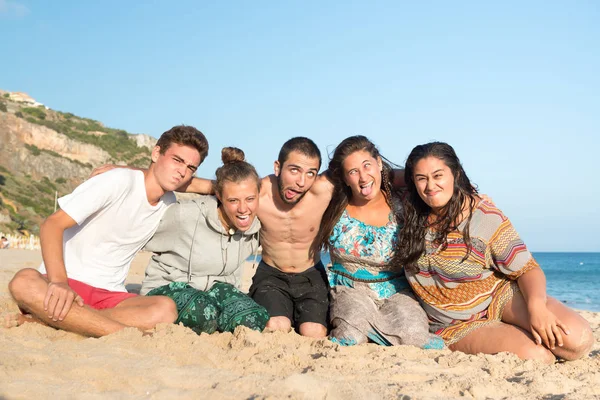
<point>107,167</point>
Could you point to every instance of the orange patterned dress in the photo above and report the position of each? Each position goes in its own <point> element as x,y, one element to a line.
<point>461,296</point>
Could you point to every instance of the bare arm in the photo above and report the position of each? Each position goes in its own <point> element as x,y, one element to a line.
<point>59,296</point>
<point>533,285</point>
<point>196,185</point>
<point>107,167</point>
<point>323,184</point>
<point>545,326</point>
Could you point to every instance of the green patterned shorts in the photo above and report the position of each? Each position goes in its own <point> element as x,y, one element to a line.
<point>221,308</point>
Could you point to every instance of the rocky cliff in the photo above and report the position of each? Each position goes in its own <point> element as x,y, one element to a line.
<point>44,153</point>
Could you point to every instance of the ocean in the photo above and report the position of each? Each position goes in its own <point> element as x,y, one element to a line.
<point>573,278</point>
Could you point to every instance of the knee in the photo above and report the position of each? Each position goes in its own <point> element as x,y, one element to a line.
<point>578,343</point>
<point>164,310</point>
<point>536,352</point>
<point>22,285</point>
<point>312,329</point>
<point>279,324</point>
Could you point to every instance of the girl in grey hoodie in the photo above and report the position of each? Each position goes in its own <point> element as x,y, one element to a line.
<point>200,247</point>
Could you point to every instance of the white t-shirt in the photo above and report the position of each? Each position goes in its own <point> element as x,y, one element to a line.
<point>114,222</point>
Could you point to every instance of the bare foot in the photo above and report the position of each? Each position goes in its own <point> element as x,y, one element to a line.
<point>13,319</point>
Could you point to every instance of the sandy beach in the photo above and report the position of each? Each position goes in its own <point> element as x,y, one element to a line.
<point>40,362</point>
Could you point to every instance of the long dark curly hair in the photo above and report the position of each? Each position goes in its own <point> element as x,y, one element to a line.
<point>411,241</point>
<point>342,192</point>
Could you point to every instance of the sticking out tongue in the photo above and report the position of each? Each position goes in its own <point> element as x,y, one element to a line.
<point>289,194</point>
<point>366,190</point>
<point>243,222</point>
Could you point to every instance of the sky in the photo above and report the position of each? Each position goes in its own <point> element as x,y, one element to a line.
<point>513,86</point>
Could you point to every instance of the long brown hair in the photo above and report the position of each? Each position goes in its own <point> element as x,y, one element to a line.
<point>341,192</point>
<point>411,241</point>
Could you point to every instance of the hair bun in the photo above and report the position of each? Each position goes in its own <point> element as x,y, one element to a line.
<point>232,154</point>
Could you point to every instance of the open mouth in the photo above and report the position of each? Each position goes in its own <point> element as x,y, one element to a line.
<point>242,220</point>
<point>366,189</point>
<point>290,193</point>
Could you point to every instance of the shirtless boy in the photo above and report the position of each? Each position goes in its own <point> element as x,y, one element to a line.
<point>88,245</point>
<point>290,281</point>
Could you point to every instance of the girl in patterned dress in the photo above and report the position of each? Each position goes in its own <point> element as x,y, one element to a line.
<point>370,297</point>
<point>480,286</point>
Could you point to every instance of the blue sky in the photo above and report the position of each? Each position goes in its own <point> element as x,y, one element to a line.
<point>513,86</point>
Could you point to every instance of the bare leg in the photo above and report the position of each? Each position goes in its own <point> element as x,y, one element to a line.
<point>279,324</point>
<point>576,344</point>
<point>310,329</point>
<point>29,288</point>
<point>143,312</point>
<point>497,337</point>
<point>313,330</point>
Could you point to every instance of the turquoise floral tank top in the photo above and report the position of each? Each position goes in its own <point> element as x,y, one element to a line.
<point>361,255</point>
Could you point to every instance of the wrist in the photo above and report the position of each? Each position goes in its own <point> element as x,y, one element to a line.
<point>535,302</point>
<point>57,280</point>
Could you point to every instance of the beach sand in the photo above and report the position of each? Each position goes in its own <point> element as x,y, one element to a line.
<point>40,362</point>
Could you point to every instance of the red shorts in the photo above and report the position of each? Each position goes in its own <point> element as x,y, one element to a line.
<point>98,298</point>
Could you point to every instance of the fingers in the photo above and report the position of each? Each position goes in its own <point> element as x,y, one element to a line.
<point>551,340</point>
<point>101,169</point>
<point>47,298</point>
<point>52,303</point>
<point>556,333</point>
<point>537,338</point>
<point>66,306</point>
<point>79,300</point>
<point>58,301</point>
<point>544,337</point>
<point>57,304</point>
<point>96,171</point>
<point>564,327</point>
<point>550,336</point>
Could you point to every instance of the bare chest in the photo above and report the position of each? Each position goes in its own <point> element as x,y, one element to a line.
<point>299,224</point>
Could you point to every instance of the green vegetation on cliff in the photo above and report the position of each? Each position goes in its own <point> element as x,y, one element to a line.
<point>36,112</point>
<point>115,142</point>
<point>26,201</point>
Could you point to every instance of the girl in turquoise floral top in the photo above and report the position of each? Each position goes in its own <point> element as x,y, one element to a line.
<point>370,297</point>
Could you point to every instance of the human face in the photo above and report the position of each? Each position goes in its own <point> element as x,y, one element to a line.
<point>296,176</point>
<point>239,202</point>
<point>176,166</point>
<point>362,173</point>
<point>434,182</point>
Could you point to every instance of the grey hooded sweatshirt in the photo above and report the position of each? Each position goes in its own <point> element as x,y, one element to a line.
<point>191,245</point>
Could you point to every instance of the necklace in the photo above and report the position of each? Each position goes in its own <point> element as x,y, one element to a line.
<point>222,219</point>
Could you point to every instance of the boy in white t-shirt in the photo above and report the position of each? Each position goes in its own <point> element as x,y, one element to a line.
<point>88,245</point>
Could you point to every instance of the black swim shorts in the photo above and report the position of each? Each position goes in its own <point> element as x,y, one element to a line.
<point>302,297</point>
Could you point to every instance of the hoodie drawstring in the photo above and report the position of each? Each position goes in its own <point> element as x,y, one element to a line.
<point>200,214</point>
